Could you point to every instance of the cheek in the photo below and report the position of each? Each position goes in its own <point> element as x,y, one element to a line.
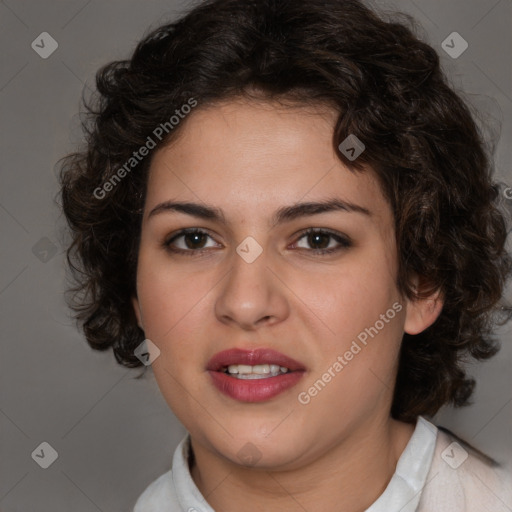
<point>171,298</point>
<point>349,298</point>
<point>357,372</point>
<point>174,309</point>
<point>358,317</point>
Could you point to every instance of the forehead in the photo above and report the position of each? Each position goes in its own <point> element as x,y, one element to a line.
<point>257,156</point>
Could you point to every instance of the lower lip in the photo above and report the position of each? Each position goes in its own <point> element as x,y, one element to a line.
<point>254,390</point>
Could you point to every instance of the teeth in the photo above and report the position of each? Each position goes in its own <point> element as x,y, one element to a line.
<point>259,371</point>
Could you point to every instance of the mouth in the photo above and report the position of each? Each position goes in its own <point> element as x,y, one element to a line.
<point>254,375</point>
<point>258,371</point>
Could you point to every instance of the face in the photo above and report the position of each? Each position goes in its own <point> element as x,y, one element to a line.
<point>252,278</point>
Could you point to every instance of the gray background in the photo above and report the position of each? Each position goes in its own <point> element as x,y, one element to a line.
<point>115,434</point>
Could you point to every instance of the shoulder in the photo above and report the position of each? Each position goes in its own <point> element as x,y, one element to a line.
<point>172,488</point>
<point>157,493</point>
<point>462,479</point>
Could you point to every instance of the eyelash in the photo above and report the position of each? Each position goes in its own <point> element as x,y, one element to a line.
<point>342,240</point>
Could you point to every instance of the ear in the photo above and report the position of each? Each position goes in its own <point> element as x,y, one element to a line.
<point>138,312</point>
<point>422,313</point>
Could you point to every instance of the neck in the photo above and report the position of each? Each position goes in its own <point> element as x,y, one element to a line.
<point>349,477</point>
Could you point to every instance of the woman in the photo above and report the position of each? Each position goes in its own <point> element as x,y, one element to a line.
<point>285,209</point>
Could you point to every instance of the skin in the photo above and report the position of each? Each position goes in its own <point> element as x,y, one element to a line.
<point>250,158</point>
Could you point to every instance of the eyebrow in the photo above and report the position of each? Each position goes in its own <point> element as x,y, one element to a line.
<point>282,215</point>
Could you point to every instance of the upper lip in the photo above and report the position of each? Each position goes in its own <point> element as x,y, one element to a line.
<point>251,358</point>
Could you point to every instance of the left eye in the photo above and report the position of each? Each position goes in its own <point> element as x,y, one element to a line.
<point>323,238</point>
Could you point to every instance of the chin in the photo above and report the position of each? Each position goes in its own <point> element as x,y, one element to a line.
<point>260,448</point>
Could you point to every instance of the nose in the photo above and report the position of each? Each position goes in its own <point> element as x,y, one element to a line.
<point>252,295</point>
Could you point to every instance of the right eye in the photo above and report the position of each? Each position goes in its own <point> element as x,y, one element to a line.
<point>191,242</point>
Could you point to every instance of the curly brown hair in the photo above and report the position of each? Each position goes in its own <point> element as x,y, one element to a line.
<point>387,85</point>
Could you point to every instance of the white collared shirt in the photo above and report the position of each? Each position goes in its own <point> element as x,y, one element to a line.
<point>435,473</point>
